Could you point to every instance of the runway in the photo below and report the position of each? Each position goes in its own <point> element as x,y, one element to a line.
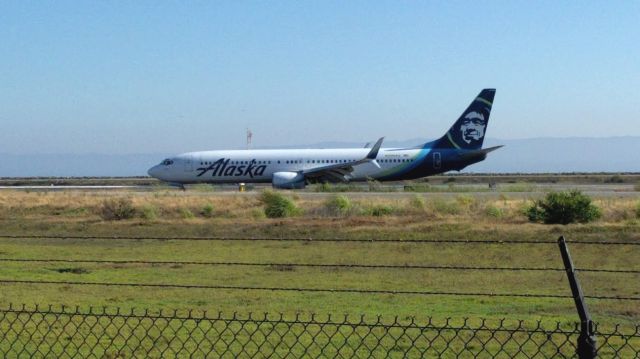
<point>386,191</point>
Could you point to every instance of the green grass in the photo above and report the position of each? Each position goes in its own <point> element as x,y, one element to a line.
<point>305,252</point>
<point>465,217</point>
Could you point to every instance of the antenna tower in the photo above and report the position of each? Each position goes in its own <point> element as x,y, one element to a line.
<point>249,136</point>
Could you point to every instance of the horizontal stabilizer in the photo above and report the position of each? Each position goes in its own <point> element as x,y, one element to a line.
<point>479,153</point>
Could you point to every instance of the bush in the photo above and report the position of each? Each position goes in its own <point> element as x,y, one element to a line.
<point>117,209</point>
<point>417,202</point>
<point>277,206</point>
<point>257,213</point>
<point>374,186</point>
<point>534,213</point>
<point>207,210</point>
<point>465,200</point>
<point>418,187</point>
<point>340,187</point>
<point>563,208</point>
<point>380,210</point>
<point>186,213</point>
<point>443,206</point>
<point>614,179</point>
<point>638,210</point>
<point>149,213</point>
<point>493,211</point>
<point>339,205</point>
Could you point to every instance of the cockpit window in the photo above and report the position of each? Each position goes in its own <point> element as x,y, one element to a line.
<point>167,162</point>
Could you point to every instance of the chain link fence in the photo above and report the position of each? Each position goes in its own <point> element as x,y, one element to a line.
<point>27,332</point>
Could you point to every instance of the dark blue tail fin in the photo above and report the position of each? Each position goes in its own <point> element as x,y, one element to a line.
<point>468,132</point>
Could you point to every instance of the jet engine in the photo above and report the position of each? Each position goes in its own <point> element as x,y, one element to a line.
<point>288,180</point>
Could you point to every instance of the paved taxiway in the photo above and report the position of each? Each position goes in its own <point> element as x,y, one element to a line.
<point>530,191</point>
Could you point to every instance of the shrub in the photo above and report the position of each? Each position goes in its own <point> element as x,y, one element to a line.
<point>207,210</point>
<point>418,187</point>
<point>149,213</point>
<point>445,207</point>
<point>563,208</point>
<point>74,212</point>
<point>534,213</point>
<point>380,210</point>
<point>494,212</point>
<point>257,213</point>
<point>417,202</point>
<point>117,209</point>
<point>339,205</point>
<point>277,206</point>
<point>465,200</point>
<point>374,186</point>
<point>638,210</point>
<point>186,213</point>
<point>614,179</point>
<point>323,187</point>
<point>340,187</point>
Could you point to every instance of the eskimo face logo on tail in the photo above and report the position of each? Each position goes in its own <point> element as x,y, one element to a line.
<point>472,127</point>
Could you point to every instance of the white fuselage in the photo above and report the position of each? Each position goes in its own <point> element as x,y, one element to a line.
<point>459,147</point>
<point>259,165</point>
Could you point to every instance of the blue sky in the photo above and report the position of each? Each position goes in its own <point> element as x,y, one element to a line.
<point>163,77</point>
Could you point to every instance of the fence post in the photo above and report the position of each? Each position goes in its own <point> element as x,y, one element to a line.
<point>587,340</point>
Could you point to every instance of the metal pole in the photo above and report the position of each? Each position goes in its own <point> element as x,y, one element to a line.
<point>587,340</point>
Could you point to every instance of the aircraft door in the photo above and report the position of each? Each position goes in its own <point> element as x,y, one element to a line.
<point>437,160</point>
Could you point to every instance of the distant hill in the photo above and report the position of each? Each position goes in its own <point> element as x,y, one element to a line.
<point>535,155</point>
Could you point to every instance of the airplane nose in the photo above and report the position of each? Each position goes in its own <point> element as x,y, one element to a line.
<point>153,171</point>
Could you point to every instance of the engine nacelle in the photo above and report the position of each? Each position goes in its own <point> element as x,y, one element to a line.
<point>288,180</point>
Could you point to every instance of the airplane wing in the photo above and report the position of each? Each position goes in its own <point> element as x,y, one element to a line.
<point>339,172</point>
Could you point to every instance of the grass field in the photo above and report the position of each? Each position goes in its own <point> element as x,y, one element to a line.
<point>170,214</point>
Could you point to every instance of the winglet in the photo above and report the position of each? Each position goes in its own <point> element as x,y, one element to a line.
<point>374,150</point>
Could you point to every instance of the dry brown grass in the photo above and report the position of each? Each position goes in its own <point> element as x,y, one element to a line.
<point>169,206</point>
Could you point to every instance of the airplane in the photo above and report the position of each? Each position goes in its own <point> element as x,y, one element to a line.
<point>458,148</point>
